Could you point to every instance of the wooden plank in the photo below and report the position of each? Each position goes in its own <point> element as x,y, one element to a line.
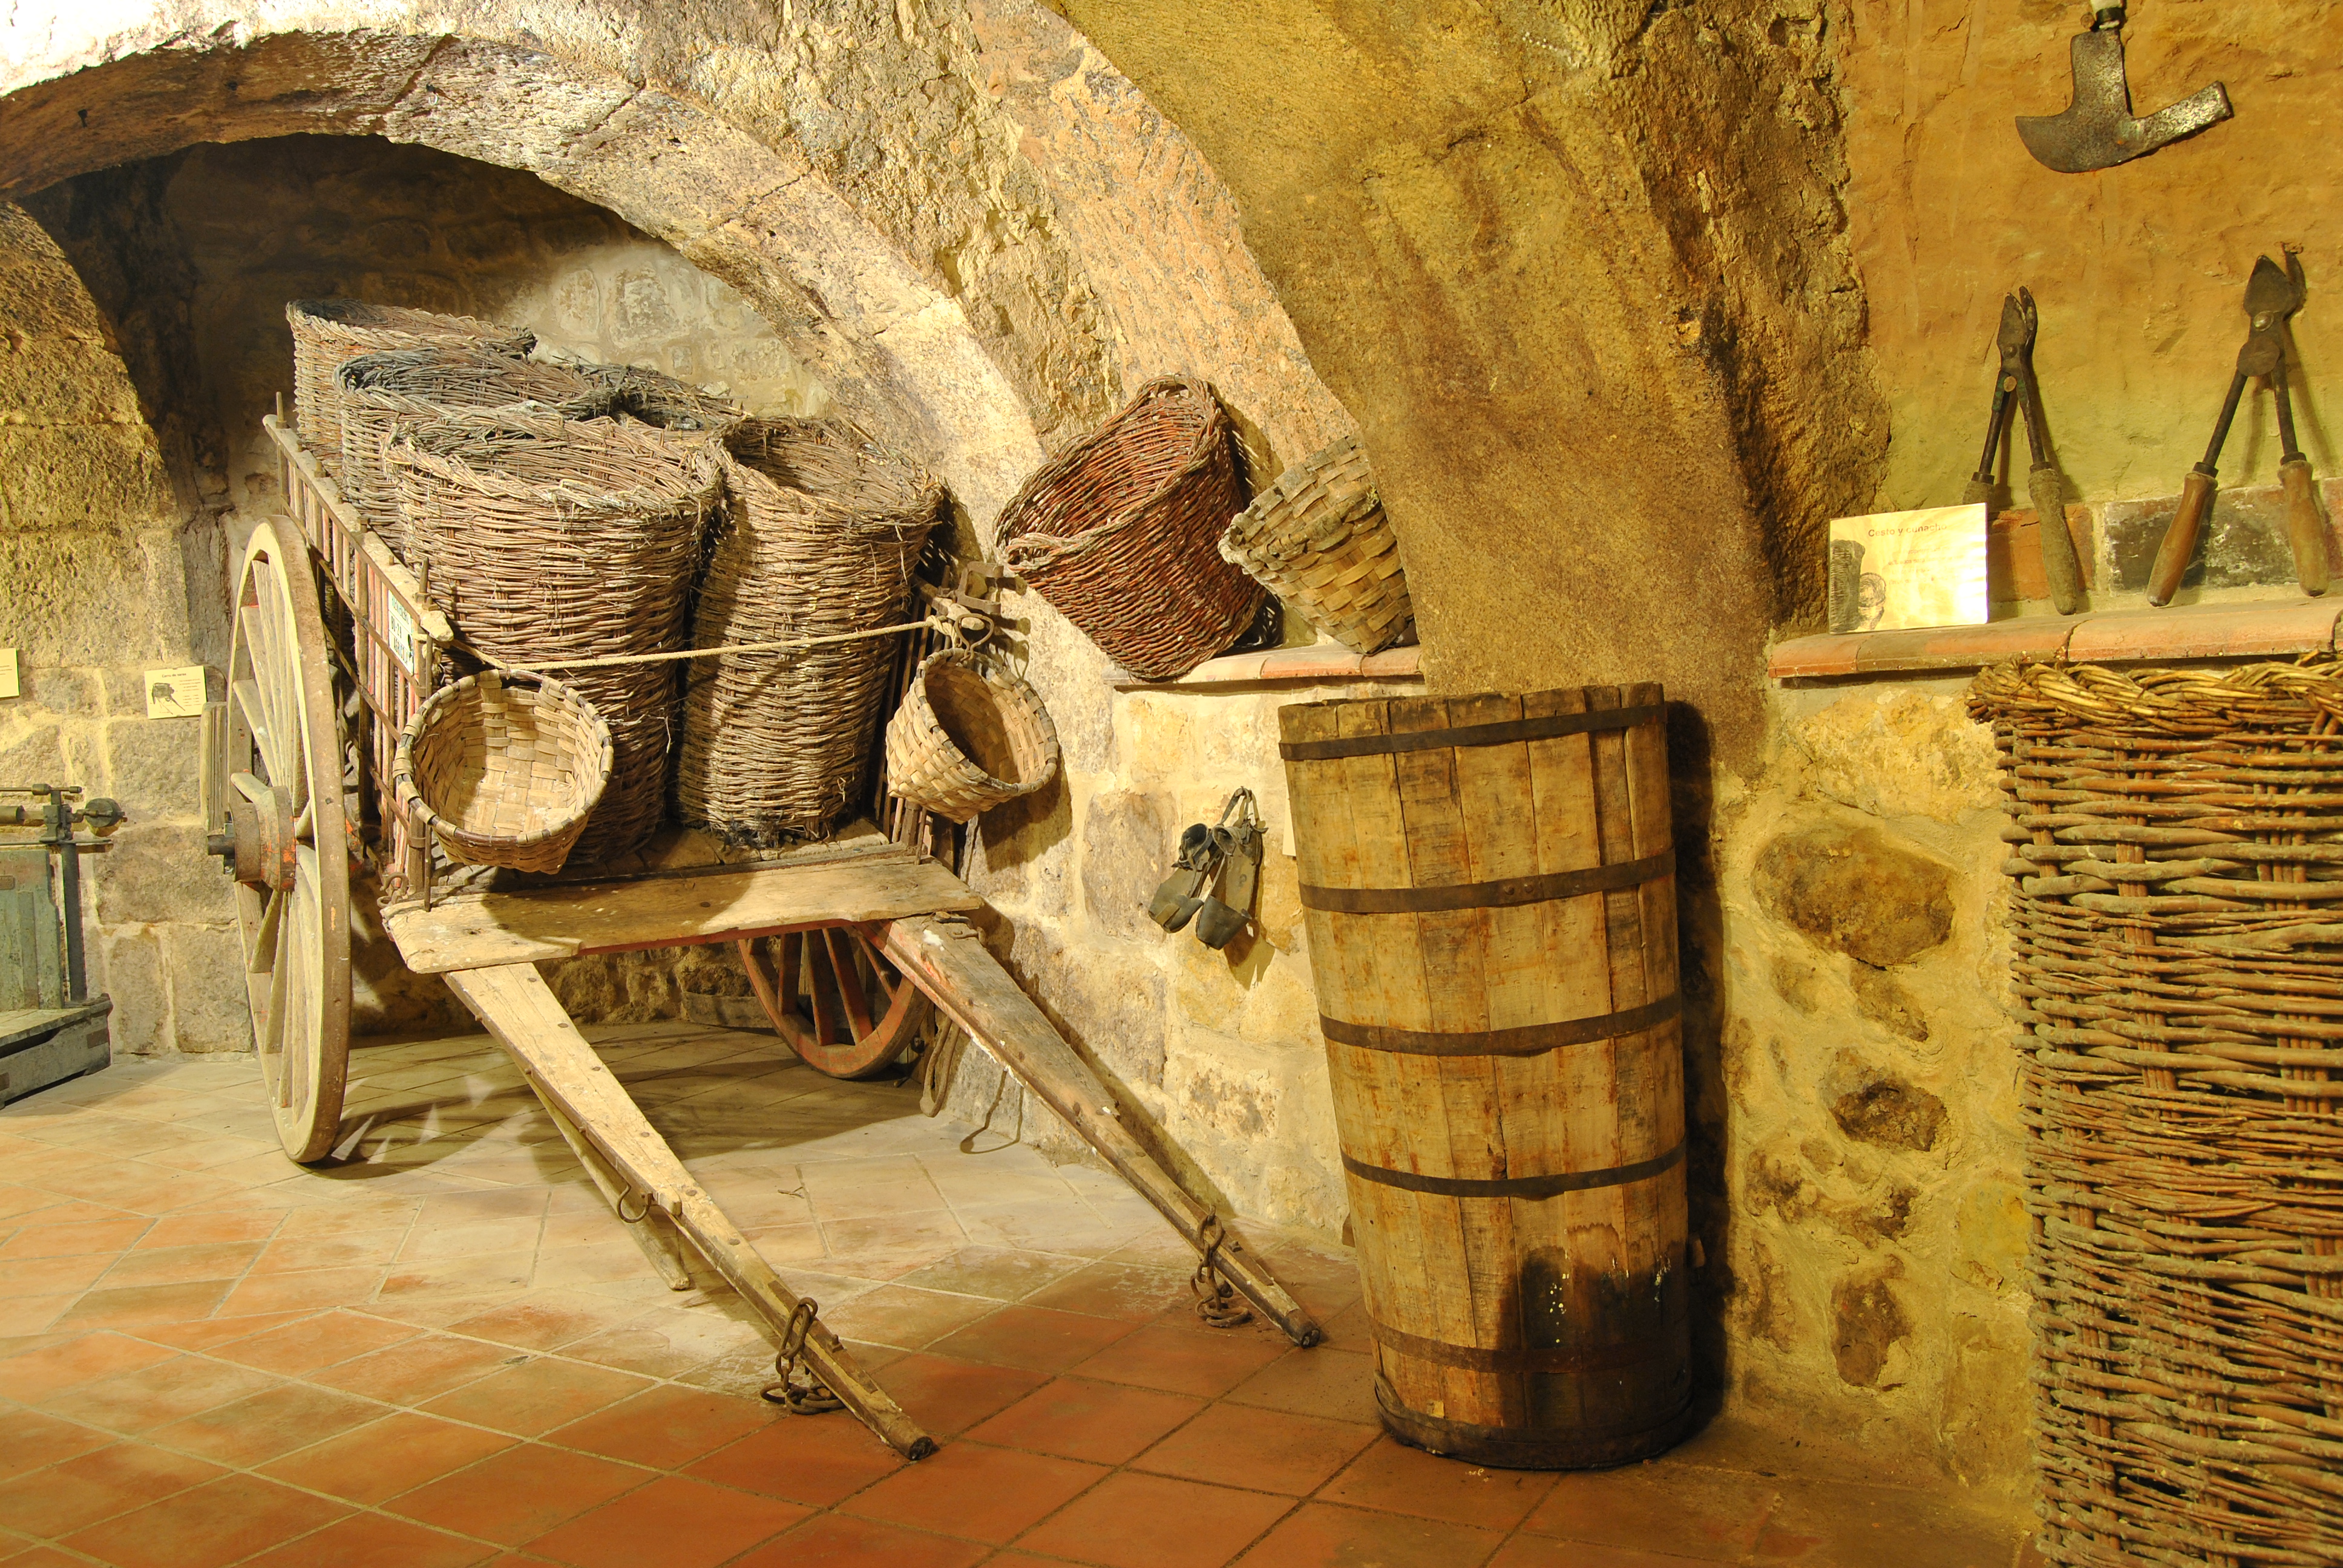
<point>946,959</point>
<point>515,1006</point>
<point>23,1023</point>
<point>529,925</point>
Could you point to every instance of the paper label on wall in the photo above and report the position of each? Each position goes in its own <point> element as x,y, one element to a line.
<point>1896,570</point>
<point>175,693</point>
<point>8,686</point>
<point>399,632</point>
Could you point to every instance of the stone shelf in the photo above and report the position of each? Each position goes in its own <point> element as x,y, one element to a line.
<point>2269,630</point>
<point>1320,665</point>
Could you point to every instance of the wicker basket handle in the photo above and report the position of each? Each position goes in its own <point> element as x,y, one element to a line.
<point>1039,552</point>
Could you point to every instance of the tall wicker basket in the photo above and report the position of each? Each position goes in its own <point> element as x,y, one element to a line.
<point>820,537</point>
<point>328,332</point>
<point>1120,532</point>
<point>1317,539</point>
<point>545,539</point>
<point>382,393</point>
<point>2177,872</point>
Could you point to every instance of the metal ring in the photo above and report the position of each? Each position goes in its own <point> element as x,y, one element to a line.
<point>637,1217</point>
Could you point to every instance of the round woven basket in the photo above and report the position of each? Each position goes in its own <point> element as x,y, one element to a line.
<point>820,537</point>
<point>546,540</point>
<point>504,772</point>
<point>1120,532</point>
<point>965,739</point>
<point>1317,539</point>
<point>381,394</point>
<point>327,333</point>
<point>661,400</point>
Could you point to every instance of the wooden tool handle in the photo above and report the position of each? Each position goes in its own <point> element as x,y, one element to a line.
<point>1979,493</point>
<point>2306,530</point>
<point>2179,547</point>
<point>2059,567</point>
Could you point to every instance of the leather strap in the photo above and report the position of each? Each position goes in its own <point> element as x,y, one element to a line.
<point>1529,1187</point>
<point>1526,1039</point>
<point>1507,733</point>
<point>1505,893</point>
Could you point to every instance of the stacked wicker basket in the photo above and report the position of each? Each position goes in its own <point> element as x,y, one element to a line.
<point>2178,864</point>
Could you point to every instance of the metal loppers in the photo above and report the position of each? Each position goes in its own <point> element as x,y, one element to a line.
<point>2015,340</point>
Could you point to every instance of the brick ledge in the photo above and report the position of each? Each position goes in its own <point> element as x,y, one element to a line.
<point>2111,636</point>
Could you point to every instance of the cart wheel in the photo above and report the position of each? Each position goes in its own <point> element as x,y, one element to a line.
<point>283,837</point>
<point>841,1007</point>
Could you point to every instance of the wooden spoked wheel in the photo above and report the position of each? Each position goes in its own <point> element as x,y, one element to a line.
<point>283,836</point>
<point>835,999</point>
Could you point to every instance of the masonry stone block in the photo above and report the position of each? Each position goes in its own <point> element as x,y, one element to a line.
<point>154,765</point>
<point>203,967</point>
<point>1856,890</point>
<point>130,971</point>
<point>156,871</point>
<point>1128,838</point>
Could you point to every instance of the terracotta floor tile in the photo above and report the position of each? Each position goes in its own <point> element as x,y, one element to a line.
<point>1131,1521</point>
<point>486,1273</point>
<point>29,1440</point>
<point>817,1461</point>
<point>341,1250</point>
<point>312,1343</point>
<point>667,1342</point>
<point>452,1210</point>
<point>268,1424</point>
<point>65,1241</point>
<point>1391,1475</point>
<point>992,1494</point>
<point>1266,1450</point>
<point>375,1463</point>
<point>199,1229</point>
<point>535,1396</point>
<point>135,1304</point>
<point>1348,1330</point>
<point>33,1374</point>
<point>842,1541</point>
<point>210,1334</point>
<point>906,1317</point>
<point>177,1266</point>
<point>373,1540</point>
<point>1824,1524</point>
<point>1713,1514</point>
<point>518,1495</point>
<point>22,1315</point>
<point>429,1242</point>
<point>219,1522</point>
<point>946,1396</point>
<point>416,1370</point>
<point>307,1290</point>
<point>1110,1289</point>
<point>666,1427</point>
<point>1177,1362</point>
<point>541,1325</point>
<point>1316,1535</point>
<point>673,1522</point>
<point>1527,1551</point>
<point>339,1219</point>
<point>43,1557</point>
<point>89,1487</point>
<point>1004,1273</point>
<point>1074,1418</point>
<point>1036,1338</point>
<point>146,1397</point>
<point>1337,1385</point>
<point>52,1276</point>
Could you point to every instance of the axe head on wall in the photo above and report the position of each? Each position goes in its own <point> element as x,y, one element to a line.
<point>2098,130</point>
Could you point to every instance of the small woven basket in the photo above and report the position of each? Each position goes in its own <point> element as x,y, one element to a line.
<point>327,333</point>
<point>382,393</point>
<point>545,539</point>
<point>1119,532</point>
<point>964,739</point>
<point>819,539</point>
<point>2176,878</point>
<point>504,773</point>
<point>1317,539</point>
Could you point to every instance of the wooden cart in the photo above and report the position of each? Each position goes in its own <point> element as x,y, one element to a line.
<point>297,764</point>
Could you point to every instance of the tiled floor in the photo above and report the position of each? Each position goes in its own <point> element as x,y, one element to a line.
<point>445,1351</point>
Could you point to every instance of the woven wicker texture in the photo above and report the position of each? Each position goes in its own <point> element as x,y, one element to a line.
<point>820,537</point>
<point>964,741</point>
<point>504,773</point>
<point>544,539</point>
<point>327,333</point>
<point>1317,539</point>
<point>2177,872</point>
<point>382,393</point>
<point>1120,532</point>
<point>664,401</point>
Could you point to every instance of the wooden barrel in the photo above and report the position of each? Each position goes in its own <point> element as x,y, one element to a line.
<point>1490,890</point>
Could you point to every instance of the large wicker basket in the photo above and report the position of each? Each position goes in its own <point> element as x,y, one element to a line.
<point>965,740</point>
<point>1120,532</point>
<point>504,772</point>
<point>1317,539</point>
<point>661,400</point>
<point>381,394</point>
<point>819,539</point>
<point>545,539</point>
<point>2176,870</point>
<point>327,333</point>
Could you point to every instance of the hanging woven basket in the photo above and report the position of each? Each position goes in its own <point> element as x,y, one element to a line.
<point>504,771</point>
<point>1120,532</point>
<point>1317,539</point>
<point>327,333</point>
<point>965,739</point>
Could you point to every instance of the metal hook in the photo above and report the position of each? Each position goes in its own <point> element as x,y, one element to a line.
<point>639,1215</point>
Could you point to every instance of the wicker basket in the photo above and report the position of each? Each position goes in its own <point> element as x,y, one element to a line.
<point>1317,539</point>
<point>545,539</point>
<point>381,394</point>
<point>819,539</point>
<point>327,333</point>
<point>665,402</point>
<point>2177,875</point>
<point>964,741</point>
<point>505,773</point>
<point>1119,532</point>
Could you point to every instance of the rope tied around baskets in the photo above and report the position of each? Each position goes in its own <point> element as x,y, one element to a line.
<point>2176,861</point>
<point>328,332</point>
